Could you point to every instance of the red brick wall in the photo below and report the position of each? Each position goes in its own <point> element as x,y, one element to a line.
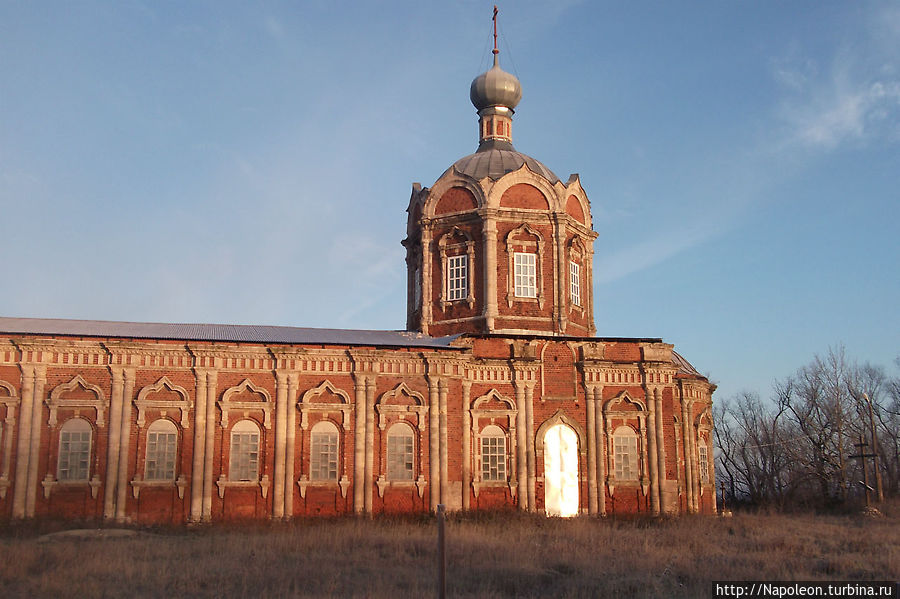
<point>573,209</point>
<point>525,306</point>
<point>523,195</point>
<point>552,394</point>
<point>455,199</point>
<point>457,309</point>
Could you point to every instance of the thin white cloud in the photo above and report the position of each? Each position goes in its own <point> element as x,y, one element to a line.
<point>848,112</point>
<point>853,98</point>
<point>648,253</point>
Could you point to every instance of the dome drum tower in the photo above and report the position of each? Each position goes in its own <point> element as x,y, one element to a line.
<point>499,244</point>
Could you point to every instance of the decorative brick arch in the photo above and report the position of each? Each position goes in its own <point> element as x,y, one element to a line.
<point>408,402</point>
<point>386,410</point>
<point>625,407</point>
<point>538,245</point>
<point>441,186</point>
<point>455,200</point>
<point>560,418</point>
<point>524,175</point>
<point>10,399</point>
<point>457,242</point>
<point>527,195</point>
<point>226,404</point>
<point>574,190</point>
<point>144,402</point>
<point>613,406</point>
<point>58,400</point>
<point>309,404</point>
<point>575,209</point>
<point>481,409</point>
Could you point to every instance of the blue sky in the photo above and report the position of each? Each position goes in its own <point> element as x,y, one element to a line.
<point>251,162</point>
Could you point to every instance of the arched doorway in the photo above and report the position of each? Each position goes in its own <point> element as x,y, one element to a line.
<point>561,471</point>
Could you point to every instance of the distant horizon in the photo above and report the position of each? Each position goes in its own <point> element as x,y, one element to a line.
<point>227,163</point>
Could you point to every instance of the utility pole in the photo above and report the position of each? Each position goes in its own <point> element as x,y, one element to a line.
<point>442,554</point>
<point>878,487</point>
<point>863,456</point>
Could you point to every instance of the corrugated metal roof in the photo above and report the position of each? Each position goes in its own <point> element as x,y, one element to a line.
<point>219,333</point>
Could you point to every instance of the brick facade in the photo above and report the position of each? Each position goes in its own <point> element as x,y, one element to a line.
<point>445,397</point>
<point>499,395</point>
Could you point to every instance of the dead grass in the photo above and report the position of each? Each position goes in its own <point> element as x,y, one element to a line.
<point>489,555</point>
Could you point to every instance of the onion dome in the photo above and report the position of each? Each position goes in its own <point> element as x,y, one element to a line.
<point>496,87</point>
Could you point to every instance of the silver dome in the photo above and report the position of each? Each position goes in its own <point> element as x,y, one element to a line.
<point>496,87</point>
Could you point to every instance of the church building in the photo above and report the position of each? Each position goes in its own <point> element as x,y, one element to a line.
<point>498,395</point>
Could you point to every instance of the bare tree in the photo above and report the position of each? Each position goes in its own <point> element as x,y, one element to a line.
<point>797,447</point>
<point>751,442</point>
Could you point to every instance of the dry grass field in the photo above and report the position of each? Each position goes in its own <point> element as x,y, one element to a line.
<point>488,555</point>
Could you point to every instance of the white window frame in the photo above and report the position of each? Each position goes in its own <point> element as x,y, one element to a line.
<point>400,463</point>
<point>626,454</point>
<point>243,463</point>
<point>703,462</point>
<point>161,451</point>
<point>453,244</point>
<point>73,464</point>
<point>525,281</point>
<point>457,278</point>
<point>575,283</point>
<point>324,452</point>
<point>493,454</point>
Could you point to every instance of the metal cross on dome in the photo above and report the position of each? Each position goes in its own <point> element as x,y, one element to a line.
<point>494,18</point>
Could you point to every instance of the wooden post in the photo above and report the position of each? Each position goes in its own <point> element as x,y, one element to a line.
<point>442,556</point>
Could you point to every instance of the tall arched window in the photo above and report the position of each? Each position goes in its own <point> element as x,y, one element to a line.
<point>703,459</point>
<point>625,453</point>
<point>323,462</point>
<point>244,464</point>
<point>400,452</point>
<point>162,443</point>
<point>493,454</point>
<point>74,451</point>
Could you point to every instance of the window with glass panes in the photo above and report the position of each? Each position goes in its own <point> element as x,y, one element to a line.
<point>704,463</point>
<point>493,454</point>
<point>575,283</point>
<point>625,454</point>
<point>74,451</point>
<point>160,458</point>
<point>400,451</point>
<point>525,274</point>
<point>457,277</point>
<point>324,452</point>
<point>244,452</point>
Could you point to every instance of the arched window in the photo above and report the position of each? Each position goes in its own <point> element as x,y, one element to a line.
<point>74,451</point>
<point>703,459</point>
<point>493,454</point>
<point>323,461</point>
<point>400,452</point>
<point>244,463</point>
<point>625,453</point>
<point>162,440</point>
